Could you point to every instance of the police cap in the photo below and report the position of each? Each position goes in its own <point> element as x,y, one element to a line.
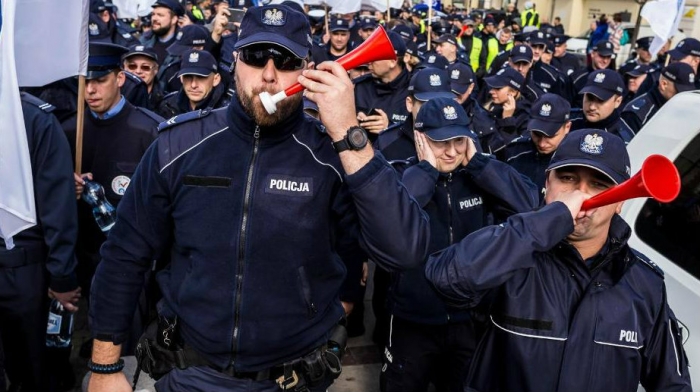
<point>104,58</point>
<point>172,5</point>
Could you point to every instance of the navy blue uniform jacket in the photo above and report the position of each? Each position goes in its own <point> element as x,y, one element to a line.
<point>556,324</point>
<point>458,203</point>
<point>255,221</point>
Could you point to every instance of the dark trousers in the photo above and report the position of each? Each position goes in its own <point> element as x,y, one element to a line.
<point>419,354</point>
<point>206,379</point>
<point>23,318</point>
<point>382,282</point>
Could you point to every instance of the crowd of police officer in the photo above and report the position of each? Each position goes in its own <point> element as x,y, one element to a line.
<point>511,83</point>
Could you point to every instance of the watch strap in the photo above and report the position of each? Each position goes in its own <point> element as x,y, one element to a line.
<point>106,369</point>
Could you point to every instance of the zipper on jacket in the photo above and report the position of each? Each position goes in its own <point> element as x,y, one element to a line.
<point>241,245</point>
<point>306,289</point>
<point>447,183</point>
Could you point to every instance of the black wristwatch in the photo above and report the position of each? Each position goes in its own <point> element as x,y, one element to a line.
<point>355,140</point>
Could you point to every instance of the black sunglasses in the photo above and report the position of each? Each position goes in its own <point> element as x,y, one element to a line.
<point>283,60</point>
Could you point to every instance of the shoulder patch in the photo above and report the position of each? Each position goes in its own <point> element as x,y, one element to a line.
<point>30,99</point>
<point>150,114</point>
<point>650,264</point>
<point>183,118</point>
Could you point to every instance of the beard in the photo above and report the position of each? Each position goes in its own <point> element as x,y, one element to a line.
<point>161,31</point>
<point>254,108</point>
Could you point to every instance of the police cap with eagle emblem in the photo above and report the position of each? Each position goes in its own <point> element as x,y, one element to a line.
<point>604,84</point>
<point>595,149</point>
<point>430,83</point>
<point>277,25</point>
<point>443,119</point>
<point>548,114</point>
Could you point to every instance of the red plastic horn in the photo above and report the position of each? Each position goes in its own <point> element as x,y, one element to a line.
<point>658,179</point>
<point>376,47</point>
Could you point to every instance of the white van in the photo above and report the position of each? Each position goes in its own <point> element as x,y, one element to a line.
<point>669,234</point>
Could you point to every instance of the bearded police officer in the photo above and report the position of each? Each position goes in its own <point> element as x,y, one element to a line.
<point>258,213</point>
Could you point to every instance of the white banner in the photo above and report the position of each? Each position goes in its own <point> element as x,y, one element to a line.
<point>663,17</point>
<point>51,40</point>
<point>17,208</point>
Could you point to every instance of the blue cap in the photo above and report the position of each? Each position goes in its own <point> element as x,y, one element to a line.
<point>449,38</point>
<point>548,114</point>
<point>560,39</point>
<point>604,48</point>
<point>433,60</point>
<point>141,50</point>
<point>430,83</point>
<point>197,62</point>
<point>338,24</point>
<point>172,5</point>
<point>643,43</point>
<point>537,38</point>
<point>596,149</point>
<point>521,53</point>
<point>104,58</point>
<point>368,23</point>
<point>397,42</point>
<point>278,25</point>
<point>443,119</point>
<point>412,48</point>
<point>682,76</point>
<point>604,84</point>
<point>639,70</point>
<point>461,77</point>
<point>98,31</point>
<point>688,46</point>
<point>404,31</point>
<point>506,77</point>
<point>188,37</point>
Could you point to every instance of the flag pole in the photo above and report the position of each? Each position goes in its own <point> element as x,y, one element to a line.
<point>79,125</point>
<point>430,22</point>
<point>325,18</point>
<point>388,11</point>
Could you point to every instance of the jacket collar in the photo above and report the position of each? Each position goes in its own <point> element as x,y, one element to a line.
<point>245,126</point>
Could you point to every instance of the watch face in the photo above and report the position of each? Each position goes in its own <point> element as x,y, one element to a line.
<point>357,138</point>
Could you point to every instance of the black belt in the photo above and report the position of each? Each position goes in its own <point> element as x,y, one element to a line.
<point>21,256</point>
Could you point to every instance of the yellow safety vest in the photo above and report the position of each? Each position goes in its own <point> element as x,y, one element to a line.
<point>531,20</point>
<point>493,51</point>
<point>477,46</point>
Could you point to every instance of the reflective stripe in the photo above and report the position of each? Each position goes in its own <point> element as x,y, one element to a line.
<point>675,350</point>
<point>191,148</point>
<point>618,345</point>
<point>316,159</point>
<point>527,335</point>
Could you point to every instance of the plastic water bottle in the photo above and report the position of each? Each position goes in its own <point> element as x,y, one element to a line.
<point>102,210</point>
<point>59,329</point>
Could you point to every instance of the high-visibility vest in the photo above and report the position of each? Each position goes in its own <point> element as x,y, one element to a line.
<point>197,13</point>
<point>492,46</point>
<point>477,45</point>
<point>531,18</point>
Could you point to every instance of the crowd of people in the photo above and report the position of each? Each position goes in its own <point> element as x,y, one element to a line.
<point>239,256</point>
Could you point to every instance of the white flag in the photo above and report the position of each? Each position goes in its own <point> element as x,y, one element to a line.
<point>51,31</point>
<point>663,17</point>
<point>380,5</point>
<point>51,40</point>
<point>344,6</point>
<point>132,9</point>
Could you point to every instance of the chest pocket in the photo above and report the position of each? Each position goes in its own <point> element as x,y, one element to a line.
<point>619,327</point>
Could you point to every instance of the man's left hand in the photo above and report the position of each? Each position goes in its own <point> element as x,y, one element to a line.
<point>67,299</point>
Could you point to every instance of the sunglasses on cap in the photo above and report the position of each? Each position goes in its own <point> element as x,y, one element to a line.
<point>257,56</point>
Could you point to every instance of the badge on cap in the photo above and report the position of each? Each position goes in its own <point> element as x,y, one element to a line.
<point>691,78</point>
<point>501,71</point>
<point>273,17</point>
<point>432,59</point>
<point>194,57</point>
<point>139,48</point>
<point>339,22</point>
<point>592,144</point>
<point>546,110</point>
<point>94,30</point>
<point>179,35</point>
<point>455,74</point>
<point>522,49</point>
<point>450,113</point>
<point>599,78</point>
<point>540,35</point>
<point>435,80</point>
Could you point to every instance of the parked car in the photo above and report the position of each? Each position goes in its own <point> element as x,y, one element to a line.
<point>669,234</point>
